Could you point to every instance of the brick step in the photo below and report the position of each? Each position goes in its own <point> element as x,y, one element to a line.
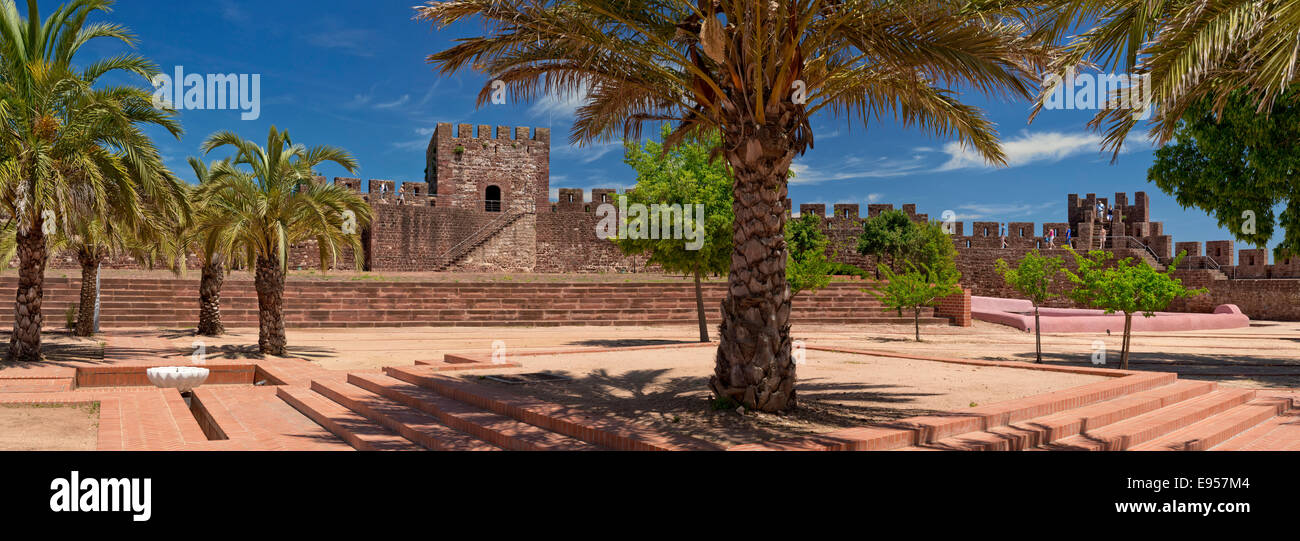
<point>1217,429</point>
<point>499,429</point>
<point>1149,426</point>
<point>360,432</point>
<point>1281,433</point>
<point>414,425</point>
<point>604,431</point>
<point>1038,431</point>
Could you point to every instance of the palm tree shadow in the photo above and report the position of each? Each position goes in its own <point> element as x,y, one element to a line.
<point>682,404</point>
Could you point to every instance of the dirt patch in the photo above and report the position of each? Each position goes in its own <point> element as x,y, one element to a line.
<point>48,427</point>
<point>669,390</point>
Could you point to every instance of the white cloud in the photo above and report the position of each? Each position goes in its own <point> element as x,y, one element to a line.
<point>406,98</point>
<point>977,211</point>
<point>561,105</point>
<point>1024,150</point>
<point>851,168</point>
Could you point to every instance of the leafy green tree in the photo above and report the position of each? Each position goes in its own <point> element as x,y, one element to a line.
<point>911,290</point>
<point>1238,167</point>
<point>70,149</point>
<point>808,268</point>
<point>890,233</point>
<point>266,199</point>
<point>756,72</point>
<point>933,249</point>
<point>1125,287</point>
<point>1033,277</point>
<point>685,175</point>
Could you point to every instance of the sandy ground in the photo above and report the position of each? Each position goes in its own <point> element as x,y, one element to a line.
<point>48,427</point>
<point>668,388</point>
<point>1267,354</point>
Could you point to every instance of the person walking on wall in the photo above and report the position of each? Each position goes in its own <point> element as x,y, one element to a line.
<point>1051,238</point>
<point>1004,237</point>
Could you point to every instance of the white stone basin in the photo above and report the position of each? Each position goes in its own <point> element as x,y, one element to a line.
<point>183,378</point>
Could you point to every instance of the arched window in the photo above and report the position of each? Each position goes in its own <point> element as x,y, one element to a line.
<point>492,200</point>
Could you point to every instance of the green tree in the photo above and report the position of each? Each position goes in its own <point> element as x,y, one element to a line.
<point>808,268</point>
<point>69,149</point>
<point>912,291</point>
<point>1238,167</point>
<point>933,249</point>
<point>1124,287</point>
<point>685,175</point>
<point>756,72</point>
<point>890,233</point>
<point>1033,277</point>
<point>272,202</point>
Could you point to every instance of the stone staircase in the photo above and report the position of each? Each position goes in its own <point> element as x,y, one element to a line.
<point>1153,412</point>
<point>474,240</point>
<point>419,408</point>
<point>345,303</point>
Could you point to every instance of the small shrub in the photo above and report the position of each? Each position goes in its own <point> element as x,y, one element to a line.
<point>722,403</point>
<point>70,317</point>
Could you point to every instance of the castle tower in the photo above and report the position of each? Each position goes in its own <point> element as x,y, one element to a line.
<point>468,170</point>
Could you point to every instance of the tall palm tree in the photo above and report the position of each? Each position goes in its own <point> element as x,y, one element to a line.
<point>204,237</point>
<point>94,238</point>
<point>1191,51</point>
<point>273,203</point>
<point>756,72</point>
<point>66,146</point>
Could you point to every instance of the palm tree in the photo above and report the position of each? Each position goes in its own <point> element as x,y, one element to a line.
<point>203,237</point>
<point>273,204</point>
<point>95,238</point>
<point>756,72</point>
<point>1190,50</point>
<point>68,149</point>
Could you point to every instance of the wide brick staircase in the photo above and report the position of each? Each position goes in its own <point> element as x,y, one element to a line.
<point>1141,411</point>
<point>416,408</point>
<point>129,302</point>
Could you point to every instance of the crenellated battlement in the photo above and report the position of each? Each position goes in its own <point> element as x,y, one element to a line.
<point>1086,226</point>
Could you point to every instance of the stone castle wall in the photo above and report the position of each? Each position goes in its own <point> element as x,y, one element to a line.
<point>484,205</point>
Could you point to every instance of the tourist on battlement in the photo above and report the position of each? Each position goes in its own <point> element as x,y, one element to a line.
<point>1102,245</point>
<point>1004,236</point>
<point>1051,238</point>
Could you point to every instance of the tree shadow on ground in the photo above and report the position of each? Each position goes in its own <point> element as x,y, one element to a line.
<point>682,404</point>
<point>1246,370</point>
<point>67,351</point>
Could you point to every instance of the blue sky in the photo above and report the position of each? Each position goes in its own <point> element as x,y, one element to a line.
<point>353,74</point>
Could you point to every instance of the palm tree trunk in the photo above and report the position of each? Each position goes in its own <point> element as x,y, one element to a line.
<point>89,292</point>
<point>210,299</point>
<point>269,281</point>
<point>754,365</point>
<point>1038,336</point>
<point>699,308</point>
<point>25,343</point>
